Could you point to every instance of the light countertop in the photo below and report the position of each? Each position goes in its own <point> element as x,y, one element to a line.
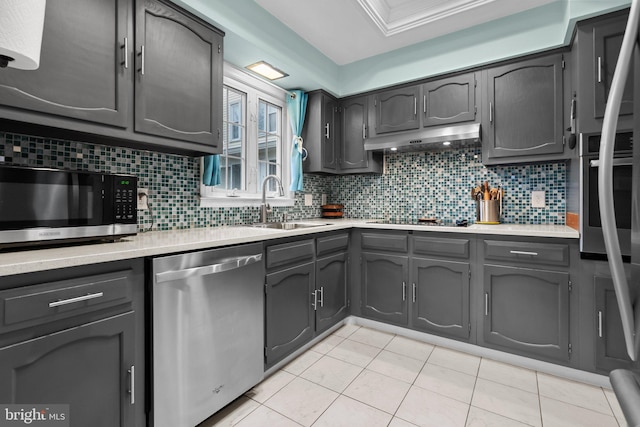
<point>158,243</point>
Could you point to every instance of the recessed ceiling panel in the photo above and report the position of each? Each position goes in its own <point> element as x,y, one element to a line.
<point>349,30</point>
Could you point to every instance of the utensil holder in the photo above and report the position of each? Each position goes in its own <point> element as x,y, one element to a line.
<point>488,211</point>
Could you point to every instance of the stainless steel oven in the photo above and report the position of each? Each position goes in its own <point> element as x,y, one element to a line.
<point>591,238</point>
<point>40,205</point>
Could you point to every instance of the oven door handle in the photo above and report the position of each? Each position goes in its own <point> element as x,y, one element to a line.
<point>626,161</point>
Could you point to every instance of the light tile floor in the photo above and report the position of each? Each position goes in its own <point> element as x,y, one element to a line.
<point>362,377</point>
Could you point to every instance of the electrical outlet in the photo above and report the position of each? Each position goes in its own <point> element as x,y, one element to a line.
<point>324,199</point>
<point>308,199</point>
<point>143,197</point>
<point>538,199</point>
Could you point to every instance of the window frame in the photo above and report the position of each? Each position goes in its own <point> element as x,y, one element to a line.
<point>255,90</point>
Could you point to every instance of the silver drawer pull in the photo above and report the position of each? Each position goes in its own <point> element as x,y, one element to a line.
<point>524,253</point>
<point>486,303</point>
<point>599,324</point>
<point>76,299</point>
<point>132,385</point>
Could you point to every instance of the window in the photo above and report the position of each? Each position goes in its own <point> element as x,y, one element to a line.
<point>255,139</point>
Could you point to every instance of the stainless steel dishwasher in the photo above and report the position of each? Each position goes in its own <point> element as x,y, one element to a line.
<point>208,334</point>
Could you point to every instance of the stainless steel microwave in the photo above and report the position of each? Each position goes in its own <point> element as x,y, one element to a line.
<point>43,206</point>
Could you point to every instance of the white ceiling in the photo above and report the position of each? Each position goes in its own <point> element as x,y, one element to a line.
<point>349,30</point>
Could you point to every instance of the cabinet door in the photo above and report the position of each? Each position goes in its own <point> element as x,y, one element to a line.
<point>451,100</point>
<point>397,110</point>
<point>329,134</point>
<point>527,310</point>
<point>440,296</point>
<point>85,71</point>
<point>178,79</point>
<point>289,313</point>
<point>384,287</point>
<point>354,128</point>
<point>525,115</point>
<point>86,367</point>
<point>611,350</point>
<point>331,290</point>
<point>607,40</point>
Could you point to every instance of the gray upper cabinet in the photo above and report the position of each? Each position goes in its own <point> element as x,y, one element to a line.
<point>354,124</point>
<point>84,67</point>
<point>178,75</point>
<point>596,48</point>
<point>523,121</point>
<point>440,297</point>
<point>396,109</point>
<point>321,133</point>
<point>450,100</point>
<point>95,84</point>
<point>607,40</point>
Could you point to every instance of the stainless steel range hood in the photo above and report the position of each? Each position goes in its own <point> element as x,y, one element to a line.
<point>426,139</point>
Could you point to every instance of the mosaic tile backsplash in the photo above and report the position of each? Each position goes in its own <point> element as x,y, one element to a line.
<point>413,185</point>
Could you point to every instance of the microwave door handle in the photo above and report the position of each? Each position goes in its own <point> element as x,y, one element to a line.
<point>605,181</point>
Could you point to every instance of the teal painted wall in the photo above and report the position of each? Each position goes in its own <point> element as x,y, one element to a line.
<point>254,34</point>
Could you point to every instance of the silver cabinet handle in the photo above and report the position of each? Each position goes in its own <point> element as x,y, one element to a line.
<point>326,131</point>
<point>404,291</point>
<point>490,112</point>
<point>486,303</point>
<point>132,385</point>
<point>314,304</point>
<point>524,253</point>
<point>625,161</point>
<point>424,105</point>
<point>364,131</point>
<point>125,61</point>
<point>141,60</point>
<point>76,299</point>
<point>415,106</point>
<point>600,324</point>
<point>321,296</point>
<point>599,69</point>
<point>414,292</point>
<point>229,264</point>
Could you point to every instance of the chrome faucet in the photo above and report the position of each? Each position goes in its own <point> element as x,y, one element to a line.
<point>264,207</point>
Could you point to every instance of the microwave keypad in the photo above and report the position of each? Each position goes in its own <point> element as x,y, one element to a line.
<point>125,201</point>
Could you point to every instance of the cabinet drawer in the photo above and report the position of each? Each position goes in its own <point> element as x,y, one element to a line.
<point>438,246</point>
<point>33,305</point>
<point>329,244</point>
<point>288,253</point>
<point>385,242</point>
<point>532,252</point>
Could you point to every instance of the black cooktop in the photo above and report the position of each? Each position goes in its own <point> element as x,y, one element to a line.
<point>438,223</point>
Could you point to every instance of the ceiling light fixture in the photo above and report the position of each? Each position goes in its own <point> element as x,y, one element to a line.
<point>266,70</point>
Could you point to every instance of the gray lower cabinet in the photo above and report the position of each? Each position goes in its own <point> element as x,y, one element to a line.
<point>440,297</point>
<point>396,109</point>
<point>523,120</point>
<point>87,368</point>
<point>288,310</point>
<point>331,290</point>
<point>449,100</point>
<point>76,337</point>
<point>384,287</point>
<point>527,310</point>
<point>354,130</point>
<point>610,348</point>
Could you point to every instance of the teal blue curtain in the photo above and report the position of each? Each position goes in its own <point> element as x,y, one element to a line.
<point>211,174</point>
<point>297,108</point>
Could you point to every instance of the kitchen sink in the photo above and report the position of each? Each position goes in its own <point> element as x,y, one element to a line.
<point>286,225</point>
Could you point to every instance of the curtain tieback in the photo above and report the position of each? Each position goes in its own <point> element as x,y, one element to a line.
<point>297,140</point>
